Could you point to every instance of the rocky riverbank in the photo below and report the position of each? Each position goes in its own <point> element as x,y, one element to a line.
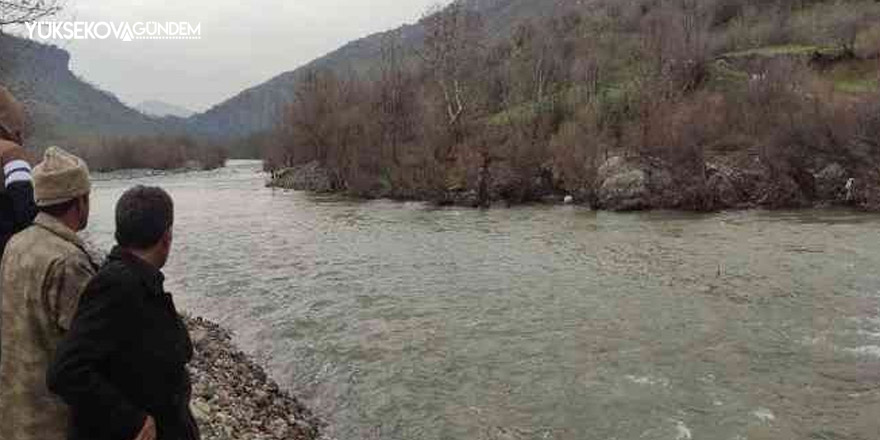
<point>307,177</point>
<point>633,183</point>
<point>139,173</point>
<point>233,398</point>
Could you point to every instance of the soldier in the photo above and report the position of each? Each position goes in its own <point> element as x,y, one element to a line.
<point>42,274</point>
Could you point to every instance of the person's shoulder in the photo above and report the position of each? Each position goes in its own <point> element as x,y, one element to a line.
<point>114,270</point>
<point>24,238</point>
<point>62,252</point>
<point>112,284</point>
<point>19,250</point>
<point>36,237</point>
<point>36,244</point>
<point>115,274</point>
<point>75,258</point>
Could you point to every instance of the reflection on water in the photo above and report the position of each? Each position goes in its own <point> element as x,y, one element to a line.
<point>399,321</point>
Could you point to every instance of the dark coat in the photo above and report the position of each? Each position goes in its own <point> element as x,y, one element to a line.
<point>17,210</point>
<point>125,357</point>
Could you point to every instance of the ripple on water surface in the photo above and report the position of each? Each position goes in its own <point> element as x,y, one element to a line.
<point>400,321</point>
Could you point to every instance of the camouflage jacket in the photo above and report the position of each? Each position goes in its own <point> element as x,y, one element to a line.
<point>43,272</point>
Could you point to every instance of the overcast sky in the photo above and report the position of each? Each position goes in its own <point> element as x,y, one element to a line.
<point>243,43</point>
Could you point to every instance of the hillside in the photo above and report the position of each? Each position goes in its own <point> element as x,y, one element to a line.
<point>623,104</point>
<point>63,107</point>
<point>260,107</point>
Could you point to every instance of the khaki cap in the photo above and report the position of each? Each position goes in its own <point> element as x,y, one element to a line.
<point>60,177</point>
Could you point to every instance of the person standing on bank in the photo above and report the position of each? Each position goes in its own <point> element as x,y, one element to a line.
<point>43,272</point>
<point>17,207</point>
<point>122,367</point>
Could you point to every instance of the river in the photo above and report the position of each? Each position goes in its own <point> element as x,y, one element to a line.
<point>402,321</point>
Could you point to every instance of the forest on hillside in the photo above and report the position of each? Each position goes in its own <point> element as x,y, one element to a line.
<point>687,104</point>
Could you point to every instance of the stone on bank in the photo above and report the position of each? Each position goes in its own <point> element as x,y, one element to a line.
<point>233,398</point>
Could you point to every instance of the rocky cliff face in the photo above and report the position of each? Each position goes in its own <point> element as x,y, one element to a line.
<point>61,106</point>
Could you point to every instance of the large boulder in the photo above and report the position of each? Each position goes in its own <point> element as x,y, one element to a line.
<point>726,186</point>
<point>831,183</point>
<point>308,177</point>
<point>623,185</point>
<point>782,192</point>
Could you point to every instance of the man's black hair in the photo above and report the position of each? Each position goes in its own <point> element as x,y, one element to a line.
<point>143,215</point>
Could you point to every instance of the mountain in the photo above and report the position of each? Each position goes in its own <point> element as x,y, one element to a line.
<point>260,107</point>
<point>161,109</point>
<point>64,108</point>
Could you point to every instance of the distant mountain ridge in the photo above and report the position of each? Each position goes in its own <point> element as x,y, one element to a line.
<point>161,109</point>
<point>260,107</point>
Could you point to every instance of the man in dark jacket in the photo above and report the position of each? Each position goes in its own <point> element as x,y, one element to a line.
<point>122,366</point>
<point>17,208</point>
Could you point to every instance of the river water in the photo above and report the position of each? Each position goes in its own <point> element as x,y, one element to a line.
<point>400,321</point>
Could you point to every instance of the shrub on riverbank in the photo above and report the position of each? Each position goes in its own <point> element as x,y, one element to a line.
<point>773,93</point>
<point>148,152</point>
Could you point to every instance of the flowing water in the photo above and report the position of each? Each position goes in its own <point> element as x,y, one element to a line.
<point>400,321</point>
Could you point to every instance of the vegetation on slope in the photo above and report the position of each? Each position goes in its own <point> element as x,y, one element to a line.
<point>704,105</point>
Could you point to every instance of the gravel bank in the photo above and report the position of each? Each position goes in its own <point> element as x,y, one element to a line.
<point>233,398</point>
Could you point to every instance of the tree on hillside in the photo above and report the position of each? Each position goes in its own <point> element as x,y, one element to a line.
<point>14,12</point>
<point>396,92</point>
<point>314,114</point>
<point>451,49</point>
<point>534,65</point>
<point>845,25</point>
<point>675,46</point>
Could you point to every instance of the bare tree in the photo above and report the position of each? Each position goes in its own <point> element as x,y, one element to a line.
<point>452,41</point>
<point>14,12</point>
<point>532,61</point>
<point>313,116</point>
<point>845,25</point>
<point>675,46</point>
<point>395,97</point>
